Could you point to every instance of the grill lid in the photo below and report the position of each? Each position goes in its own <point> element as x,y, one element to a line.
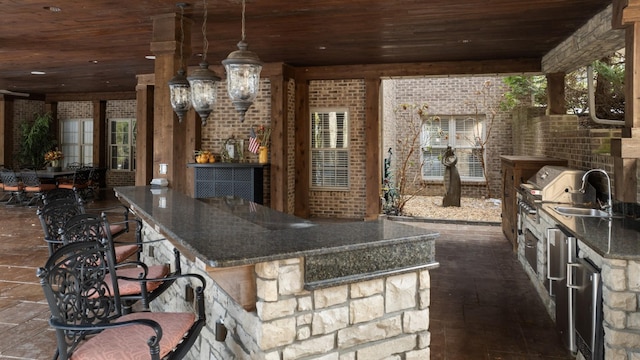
<point>558,184</point>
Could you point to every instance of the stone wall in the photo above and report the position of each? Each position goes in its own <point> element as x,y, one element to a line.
<point>385,318</point>
<point>620,299</point>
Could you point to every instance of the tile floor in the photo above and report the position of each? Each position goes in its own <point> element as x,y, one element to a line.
<point>483,306</point>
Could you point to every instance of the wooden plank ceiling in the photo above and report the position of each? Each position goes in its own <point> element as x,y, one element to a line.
<point>99,46</point>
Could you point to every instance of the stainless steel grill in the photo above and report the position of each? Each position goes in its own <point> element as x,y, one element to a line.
<point>555,184</point>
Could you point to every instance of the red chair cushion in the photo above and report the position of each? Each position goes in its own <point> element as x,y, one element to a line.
<point>130,342</point>
<point>42,187</point>
<point>133,287</point>
<point>123,252</point>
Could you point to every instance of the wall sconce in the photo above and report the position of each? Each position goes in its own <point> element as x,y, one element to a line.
<point>243,74</point>
<point>203,82</point>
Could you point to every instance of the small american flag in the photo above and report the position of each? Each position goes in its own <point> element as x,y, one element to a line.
<point>254,144</point>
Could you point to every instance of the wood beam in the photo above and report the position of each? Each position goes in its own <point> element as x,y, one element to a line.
<point>515,66</point>
<point>144,136</point>
<point>555,94</point>
<point>170,137</point>
<point>100,132</point>
<point>122,95</point>
<point>302,146</point>
<point>373,171</point>
<point>6,125</point>
<point>279,149</point>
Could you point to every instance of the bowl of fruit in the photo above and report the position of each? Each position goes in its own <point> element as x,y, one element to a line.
<point>204,157</point>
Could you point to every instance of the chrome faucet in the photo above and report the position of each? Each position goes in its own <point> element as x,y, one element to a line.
<point>609,206</point>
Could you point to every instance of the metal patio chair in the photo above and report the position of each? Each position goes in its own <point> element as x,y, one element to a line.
<point>92,227</point>
<point>12,187</point>
<point>33,187</point>
<point>86,311</point>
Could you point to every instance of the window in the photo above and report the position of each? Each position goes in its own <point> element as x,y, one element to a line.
<point>464,134</point>
<point>329,149</point>
<point>77,141</point>
<point>122,144</point>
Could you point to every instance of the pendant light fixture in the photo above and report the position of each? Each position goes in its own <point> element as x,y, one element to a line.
<point>243,74</point>
<point>203,82</point>
<point>179,91</point>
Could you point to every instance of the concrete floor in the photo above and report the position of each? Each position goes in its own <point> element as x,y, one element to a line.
<point>482,304</point>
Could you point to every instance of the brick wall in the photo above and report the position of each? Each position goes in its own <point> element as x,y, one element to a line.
<point>23,110</point>
<point>115,109</point>
<point>341,94</point>
<point>452,96</point>
<point>564,137</point>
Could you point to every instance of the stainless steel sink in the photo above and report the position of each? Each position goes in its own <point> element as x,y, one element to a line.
<point>576,211</point>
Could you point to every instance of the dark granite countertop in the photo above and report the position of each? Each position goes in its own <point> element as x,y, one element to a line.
<point>226,232</point>
<point>613,238</point>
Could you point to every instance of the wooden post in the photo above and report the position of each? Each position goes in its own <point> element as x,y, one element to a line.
<point>373,172</point>
<point>169,136</point>
<point>555,94</point>
<point>302,148</point>
<point>144,125</point>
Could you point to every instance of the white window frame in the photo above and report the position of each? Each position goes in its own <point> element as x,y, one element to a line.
<point>131,144</point>
<point>80,149</point>
<point>434,139</point>
<point>331,174</point>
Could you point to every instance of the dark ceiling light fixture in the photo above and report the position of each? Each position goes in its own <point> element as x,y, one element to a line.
<point>243,74</point>
<point>179,90</point>
<point>204,82</point>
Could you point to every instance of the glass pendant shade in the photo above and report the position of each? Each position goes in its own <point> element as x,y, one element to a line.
<point>180,94</point>
<point>204,86</point>
<point>243,69</point>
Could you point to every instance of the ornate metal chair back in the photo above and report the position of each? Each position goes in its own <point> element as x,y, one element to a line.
<point>53,217</point>
<point>75,281</point>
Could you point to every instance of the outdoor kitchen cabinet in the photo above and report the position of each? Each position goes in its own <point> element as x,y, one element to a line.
<point>515,171</point>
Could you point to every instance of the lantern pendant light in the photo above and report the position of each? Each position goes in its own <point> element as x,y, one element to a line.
<point>243,74</point>
<point>203,82</point>
<point>179,91</point>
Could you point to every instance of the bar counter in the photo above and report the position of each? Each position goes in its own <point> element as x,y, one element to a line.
<point>288,288</point>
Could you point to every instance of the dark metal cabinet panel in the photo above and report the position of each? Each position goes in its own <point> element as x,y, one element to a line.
<point>229,179</point>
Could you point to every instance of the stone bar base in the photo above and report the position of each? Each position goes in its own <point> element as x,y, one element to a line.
<point>381,318</point>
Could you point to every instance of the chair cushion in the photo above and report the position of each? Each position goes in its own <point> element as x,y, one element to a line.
<point>133,287</point>
<point>116,229</point>
<point>66,186</point>
<point>130,342</point>
<point>123,252</point>
<point>42,187</point>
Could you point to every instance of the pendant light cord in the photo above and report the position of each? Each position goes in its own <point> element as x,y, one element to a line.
<point>182,36</point>
<point>243,9</point>
<point>205,43</point>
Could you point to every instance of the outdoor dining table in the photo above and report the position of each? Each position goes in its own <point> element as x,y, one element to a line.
<point>43,174</point>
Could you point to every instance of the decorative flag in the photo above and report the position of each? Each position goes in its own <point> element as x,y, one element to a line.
<point>254,144</point>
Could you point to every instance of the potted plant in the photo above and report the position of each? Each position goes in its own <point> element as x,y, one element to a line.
<point>36,141</point>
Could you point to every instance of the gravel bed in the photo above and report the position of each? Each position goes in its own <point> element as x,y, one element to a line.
<point>470,209</point>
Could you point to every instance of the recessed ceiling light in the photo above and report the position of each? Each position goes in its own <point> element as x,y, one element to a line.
<point>38,73</point>
<point>93,61</point>
<point>52,8</point>
<point>150,57</point>
<point>322,48</point>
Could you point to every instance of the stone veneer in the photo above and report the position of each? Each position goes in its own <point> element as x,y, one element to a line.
<point>384,318</point>
<point>620,293</point>
<point>620,298</point>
